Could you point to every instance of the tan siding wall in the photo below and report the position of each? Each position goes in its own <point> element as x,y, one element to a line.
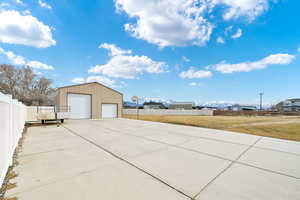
<point>100,94</point>
<point>57,99</point>
<point>109,96</point>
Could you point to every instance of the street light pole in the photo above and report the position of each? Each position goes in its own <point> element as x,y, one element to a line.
<point>136,99</point>
<point>137,107</point>
<point>261,99</point>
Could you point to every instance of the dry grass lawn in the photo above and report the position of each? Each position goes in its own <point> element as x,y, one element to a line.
<point>278,127</point>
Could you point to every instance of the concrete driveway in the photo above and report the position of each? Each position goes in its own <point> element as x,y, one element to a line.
<point>138,160</point>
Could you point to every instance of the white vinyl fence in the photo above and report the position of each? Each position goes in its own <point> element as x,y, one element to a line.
<point>167,112</point>
<point>12,121</point>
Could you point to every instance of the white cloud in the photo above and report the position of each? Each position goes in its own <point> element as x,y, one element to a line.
<point>185,59</point>
<point>220,40</point>
<point>19,2</point>
<point>4,5</point>
<point>192,73</point>
<point>127,66</point>
<point>273,59</point>
<point>167,22</point>
<point>184,22</point>
<point>238,34</point>
<point>24,29</point>
<point>39,65</point>
<point>38,73</point>
<point>101,79</point>
<point>44,5</point>
<point>78,80</point>
<point>243,8</point>
<point>114,50</point>
<point>14,59</point>
<point>122,84</point>
<point>20,60</point>
<point>194,84</point>
<point>298,49</point>
<point>26,12</point>
<point>228,30</point>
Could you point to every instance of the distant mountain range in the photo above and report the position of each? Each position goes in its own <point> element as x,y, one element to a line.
<point>219,105</point>
<point>130,104</point>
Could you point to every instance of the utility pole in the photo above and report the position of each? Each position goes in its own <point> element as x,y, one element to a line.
<point>261,100</point>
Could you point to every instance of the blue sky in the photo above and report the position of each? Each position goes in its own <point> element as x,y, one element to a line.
<point>195,50</point>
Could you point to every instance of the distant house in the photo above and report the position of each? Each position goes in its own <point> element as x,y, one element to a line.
<point>199,107</point>
<point>278,107</point>
<point>209,108</point>
<point>289,105</point>
<point>239,107</point>
<point>182,105</point>
<point>154,105</point>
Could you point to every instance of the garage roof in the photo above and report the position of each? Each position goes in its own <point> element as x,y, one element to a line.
<point>90,83</point>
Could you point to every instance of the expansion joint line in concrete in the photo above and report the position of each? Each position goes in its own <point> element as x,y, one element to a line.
<point>267,170</point>
<point>222,158</point>
<point>191,136</point>
<point>127,162</point>
<point>276,150</point>
<point>224,170</point>
<point>173,145</point>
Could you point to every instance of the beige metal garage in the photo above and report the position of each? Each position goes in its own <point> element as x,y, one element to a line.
<point>90,100</point>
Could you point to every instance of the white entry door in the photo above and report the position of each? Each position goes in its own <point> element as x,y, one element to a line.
<point>109,110</point>
<point>80,106</point>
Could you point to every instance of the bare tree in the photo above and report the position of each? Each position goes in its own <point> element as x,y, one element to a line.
<point>9,78</point>
<point>43,93</point>
<point>23,84</point>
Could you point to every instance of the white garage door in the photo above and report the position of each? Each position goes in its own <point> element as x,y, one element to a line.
<point>109,110</point>
<point>80,106</point>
